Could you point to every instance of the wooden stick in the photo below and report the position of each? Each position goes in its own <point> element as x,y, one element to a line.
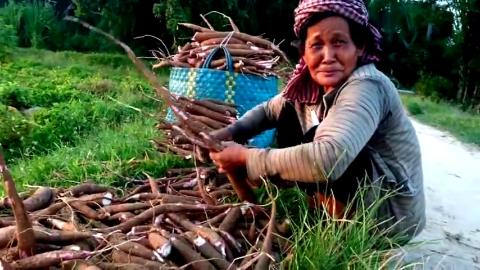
<point>25,233</point>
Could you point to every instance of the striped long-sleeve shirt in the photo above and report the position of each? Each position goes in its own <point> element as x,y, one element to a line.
<point>365,111</point>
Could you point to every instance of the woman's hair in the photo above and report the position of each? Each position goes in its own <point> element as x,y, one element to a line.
<point>360,34</point>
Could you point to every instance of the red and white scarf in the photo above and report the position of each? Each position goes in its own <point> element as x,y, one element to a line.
<point>301,87</point>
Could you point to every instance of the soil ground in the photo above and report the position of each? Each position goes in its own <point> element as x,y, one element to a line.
<point>452,188</point>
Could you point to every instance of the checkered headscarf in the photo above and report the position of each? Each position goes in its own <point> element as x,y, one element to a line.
<point>301,87</point>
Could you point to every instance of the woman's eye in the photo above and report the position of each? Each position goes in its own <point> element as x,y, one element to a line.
<point>339,42</point>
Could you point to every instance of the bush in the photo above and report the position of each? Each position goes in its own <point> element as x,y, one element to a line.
<point>414,108</point>
<point>16,96</point>
<point>8,39</point>
<point>13,128</point>
<point>434,87</point>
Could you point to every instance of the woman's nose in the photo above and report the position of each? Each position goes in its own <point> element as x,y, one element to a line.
<point>328,54</point>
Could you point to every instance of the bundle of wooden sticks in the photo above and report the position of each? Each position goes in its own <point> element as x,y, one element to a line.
<point>179,221</point>
<point>250,54</point>
<point>209,114</point>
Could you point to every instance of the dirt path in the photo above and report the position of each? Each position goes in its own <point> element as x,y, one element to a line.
<point>452,187</point>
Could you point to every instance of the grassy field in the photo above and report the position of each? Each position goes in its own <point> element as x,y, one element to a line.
<point>463,125</point>
<point>81,131</point>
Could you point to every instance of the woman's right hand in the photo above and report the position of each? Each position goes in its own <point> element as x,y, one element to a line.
<point>222,135</point>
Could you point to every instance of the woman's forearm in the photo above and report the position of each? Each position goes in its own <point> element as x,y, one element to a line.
<point>255,121</point>
<point>338,140</point>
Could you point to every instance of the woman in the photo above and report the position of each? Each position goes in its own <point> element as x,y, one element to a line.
<point>338,120</point>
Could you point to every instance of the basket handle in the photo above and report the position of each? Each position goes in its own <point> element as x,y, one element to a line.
<point>228,58</point>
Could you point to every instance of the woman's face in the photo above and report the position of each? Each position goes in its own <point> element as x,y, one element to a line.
<point>330,53</point>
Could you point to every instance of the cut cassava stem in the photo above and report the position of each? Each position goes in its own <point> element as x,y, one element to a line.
<point>215,220</point>
<point>203,111</point>
<point>39,200</point>
<point>85,189</point>
<point>131,247</point>
<point>213,106</point>
<point>161,209</point>
<point>220,193</point>
<point>207,22</point>
<point>87,211</point>
<point>25,234</point>
<point>61,225</point>
<point>208,251</point>
<point>195,27</point>
<point>211,236</point>
<point>181,140</point>
<point>228,224</point>
<point>5,202</point>
<point>217,41</point>
<point>181,171</point>
<point>202,36</point>
<point>163,197</point>
<point>266,251</point>
<point>79,265</point>
<point>201,187</point>
<point>51,210</point>
<point>122,216</point>
<point>174,148</point>
<point>126,207</point>
<point>122,266</point>
<point>160,244</point>
<point>186,146</point>
<point>122,257</point>
<point>209,121</point>
<point>191,257</point>
<point>48,259</point>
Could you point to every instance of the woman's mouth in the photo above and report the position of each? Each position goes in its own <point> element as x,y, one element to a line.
<point>329,73</point>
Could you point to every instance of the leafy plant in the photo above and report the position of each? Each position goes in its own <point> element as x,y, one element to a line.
<point>8,39</point>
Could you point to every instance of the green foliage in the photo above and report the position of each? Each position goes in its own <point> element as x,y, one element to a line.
<point>434,87</point>
<point>414,108</point>
<point>424,45</point>
<point>447,116</point>
<point>33,21</point>
<point>15,96</point>
<point>38,25</point>
<point>14,128</point>
<point>61,97</point>
<point>96,156</point>
<point>322,242</point>
<point>8,39</point>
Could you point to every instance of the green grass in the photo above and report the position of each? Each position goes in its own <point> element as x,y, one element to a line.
<point>81,131</point>
<point>322,242</point>
<point>125,150</point>
<point>74,92</point>
<point>463,125</point>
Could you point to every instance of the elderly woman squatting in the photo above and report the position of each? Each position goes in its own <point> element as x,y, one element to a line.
<point>338,120</point>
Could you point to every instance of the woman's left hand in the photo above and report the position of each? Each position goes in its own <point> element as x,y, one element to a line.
<point>231,158</point>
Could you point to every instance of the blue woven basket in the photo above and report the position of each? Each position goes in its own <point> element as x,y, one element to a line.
<point>245,90</point>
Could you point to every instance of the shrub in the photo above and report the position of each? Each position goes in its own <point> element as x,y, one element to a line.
<point>16,96</point>
<point>434,87</point>
<point>414,108</point>
<point>8,39</point>
<point>13,129</point>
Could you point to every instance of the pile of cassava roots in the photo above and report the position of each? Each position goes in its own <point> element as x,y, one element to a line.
<point>187,220</point>
<point>249,54</point>
<point>209,115</point>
